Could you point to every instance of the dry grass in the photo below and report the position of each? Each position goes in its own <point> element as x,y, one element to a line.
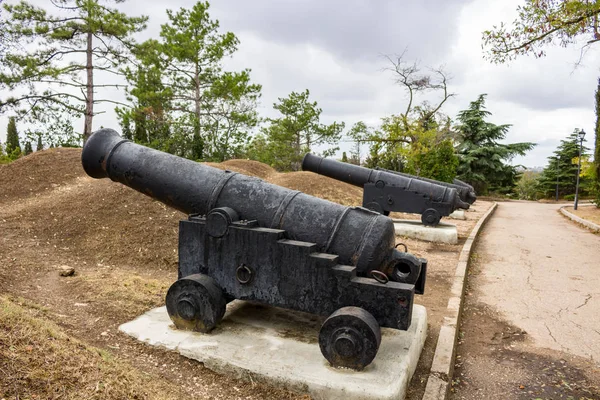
<point>589,213</point>
<point>123,291</point>
<point>39,361</point>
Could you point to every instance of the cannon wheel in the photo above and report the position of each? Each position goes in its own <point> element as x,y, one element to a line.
<point>350,338</point>
<point>196,303</point>
<point>431,217</point>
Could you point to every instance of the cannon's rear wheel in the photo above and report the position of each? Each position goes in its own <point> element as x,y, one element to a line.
<point>196,303</point>
<point>431,217</point>
<point>350,338</point>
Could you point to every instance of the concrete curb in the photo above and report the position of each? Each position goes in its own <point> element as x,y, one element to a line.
<point>442,366</point>
<point>588,224</point>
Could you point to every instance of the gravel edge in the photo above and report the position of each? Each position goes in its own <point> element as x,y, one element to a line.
<point>442,366</point>
<point>588,224</point>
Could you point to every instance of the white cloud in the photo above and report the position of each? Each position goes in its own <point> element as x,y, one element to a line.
<point>334,49</point>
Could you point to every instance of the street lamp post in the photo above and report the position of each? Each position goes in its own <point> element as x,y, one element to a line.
<point>581,136</point>
<point>557,171</point>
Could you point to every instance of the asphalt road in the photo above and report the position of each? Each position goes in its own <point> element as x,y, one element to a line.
<point>542,273</point>
<point>531,322</point>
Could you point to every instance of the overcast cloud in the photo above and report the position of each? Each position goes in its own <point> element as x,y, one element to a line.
<point>334,48</point>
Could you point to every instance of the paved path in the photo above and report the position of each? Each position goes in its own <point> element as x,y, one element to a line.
<point>542,273</point>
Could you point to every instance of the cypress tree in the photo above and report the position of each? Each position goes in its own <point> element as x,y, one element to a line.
<point>12,136</point>
<point>39,146</point>
<point>28,148</point>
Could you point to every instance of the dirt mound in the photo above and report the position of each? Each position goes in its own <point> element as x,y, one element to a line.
<point>38,172</point>
<point>105,222</point>
<point>254,168</point>
<point>320,186</point>
<point>246,167</point>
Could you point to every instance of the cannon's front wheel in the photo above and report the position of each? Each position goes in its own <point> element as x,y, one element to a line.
<point>350,338</point>
<point>196,303</point>
<point>431,217</point>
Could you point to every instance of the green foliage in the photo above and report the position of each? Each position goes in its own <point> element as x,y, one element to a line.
<point>344,157</point>
<point>12,150</point>
<point>54,127</point>
<point>56,51</point>
<point>147,121</point>
<point>28,149</point>
<point>40,145</point>
<point>438,161</point>
<point>542,23</point>
<point>527,187</point>
<point>12,137</point>
<point>184,102</point>
<point>359,133</point>
<point>484,161</point>
<point>562,167</point>
<point>415,147</point>
<point>419,140</point>
<point>298,131</point>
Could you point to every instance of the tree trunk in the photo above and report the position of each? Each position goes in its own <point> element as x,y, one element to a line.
<point>89,99</point>
<point>197,141</point>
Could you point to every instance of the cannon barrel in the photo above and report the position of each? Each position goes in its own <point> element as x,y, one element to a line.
<point>359,237</point>
<point>465,191</point>
<point>359,176</point>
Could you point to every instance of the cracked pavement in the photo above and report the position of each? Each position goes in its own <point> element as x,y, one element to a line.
<point>541,272</point>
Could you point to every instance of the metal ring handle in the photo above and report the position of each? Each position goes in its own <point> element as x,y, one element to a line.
<point>239,274</point>
<point>379,276</point>
<point>402,244</point>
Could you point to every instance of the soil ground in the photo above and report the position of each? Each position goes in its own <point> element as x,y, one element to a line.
<point>123,246</point>
<point>530,327</point>
<point>591,213</point>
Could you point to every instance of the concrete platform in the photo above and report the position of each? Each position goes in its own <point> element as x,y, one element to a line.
<point>443,233</point>
<point>280,347</point>
<point>458,214</point>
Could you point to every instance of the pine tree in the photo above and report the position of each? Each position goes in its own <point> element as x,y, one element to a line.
<point>28,148</point>
<point>12,137</point>
<point>39,146</point>
<point>484,161</point>
<point>296,132</point>
<point>562,167</point>
<point>63,50</point>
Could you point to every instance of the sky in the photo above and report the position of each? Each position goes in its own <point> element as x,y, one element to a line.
<point>336,49</point>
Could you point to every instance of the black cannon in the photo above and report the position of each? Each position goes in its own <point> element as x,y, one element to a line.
<point>385,192</point>
<point>465,191</point>
<point>250,240</point>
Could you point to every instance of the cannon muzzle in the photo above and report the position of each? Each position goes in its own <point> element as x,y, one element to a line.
<point>465,191</point>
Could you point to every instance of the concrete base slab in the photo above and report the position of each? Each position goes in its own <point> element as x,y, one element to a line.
<point>280,347</point>
<point>443,233</point>
<point>458,214</point>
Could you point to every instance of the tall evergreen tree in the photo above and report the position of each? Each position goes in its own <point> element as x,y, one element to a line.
<point>63,51</point>
<point>483,160</point>
<point>297,131</point>
<point>562,167</point>
<point>12,137</point>
<point>39,146</point>
<point>147,122</point>
<point>28,148</point>
<point>210,111</point>
<point>596,185</point>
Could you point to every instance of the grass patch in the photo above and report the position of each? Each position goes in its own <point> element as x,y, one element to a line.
<point>39,361</point>
<point>122,290</point>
